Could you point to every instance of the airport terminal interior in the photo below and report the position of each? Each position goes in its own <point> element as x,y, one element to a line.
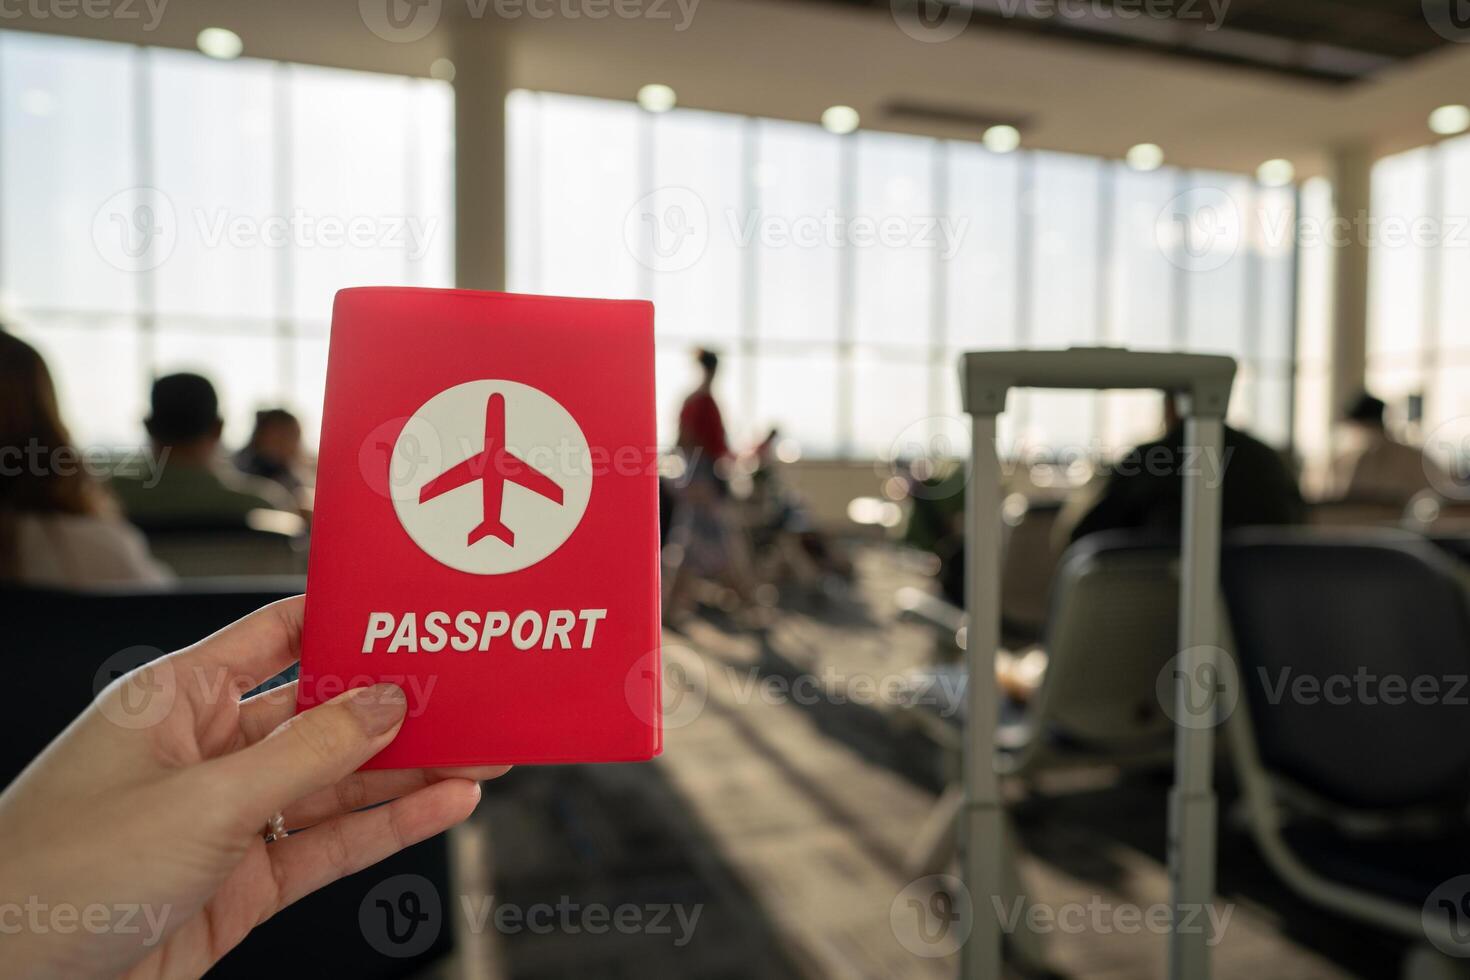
<point>1061,422</point>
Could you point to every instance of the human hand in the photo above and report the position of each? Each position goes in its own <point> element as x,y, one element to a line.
<point>167,817</point>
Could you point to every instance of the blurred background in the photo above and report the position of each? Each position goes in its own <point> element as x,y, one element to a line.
<point>828,202</point>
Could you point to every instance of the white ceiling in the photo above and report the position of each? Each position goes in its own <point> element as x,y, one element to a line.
<point>788,60</point>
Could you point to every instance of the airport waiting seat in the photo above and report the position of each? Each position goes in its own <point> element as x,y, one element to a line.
<point>1432,514</point>
<point>1456,544</point>
<point>1029,561</point>
<point>57,642</point>
<point>264,542</point>
<point>1112,626</point>
<point>1356,795</point>
<point>1355,513</point>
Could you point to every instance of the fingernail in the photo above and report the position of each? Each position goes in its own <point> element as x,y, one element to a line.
<point>379,707</point>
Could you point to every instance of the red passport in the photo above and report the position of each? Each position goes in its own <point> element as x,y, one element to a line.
<point>486,525</point>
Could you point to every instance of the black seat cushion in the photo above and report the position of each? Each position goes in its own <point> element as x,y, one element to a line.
<point>1332,633</point>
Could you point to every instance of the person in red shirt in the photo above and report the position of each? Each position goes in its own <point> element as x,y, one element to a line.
<point>704,540</point>
<point>701,427</point>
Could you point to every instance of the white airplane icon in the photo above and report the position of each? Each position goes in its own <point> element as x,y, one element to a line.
<point>493,466</point>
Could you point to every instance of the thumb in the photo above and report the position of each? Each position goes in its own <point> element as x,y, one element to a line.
<point>313,750</point>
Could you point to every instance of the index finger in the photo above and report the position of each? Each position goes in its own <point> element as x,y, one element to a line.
<point>255,648</point>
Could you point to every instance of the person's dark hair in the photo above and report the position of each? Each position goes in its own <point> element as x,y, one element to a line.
<point>42,469</point>
<point>268,418</point>
<point>708,360</point>
<point>184,408</point>
<point>1366,409</point>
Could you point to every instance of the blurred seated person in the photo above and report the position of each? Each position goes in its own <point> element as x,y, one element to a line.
<point>781,524</point>
<point>58,527</point>
<point>188,483</point>
<point>1145,489</point>
<point>274,450</point>
<point>936,520</point>
<point>1372,466</point>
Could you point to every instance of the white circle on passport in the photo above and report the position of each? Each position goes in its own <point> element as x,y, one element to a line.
<point>538,470</point>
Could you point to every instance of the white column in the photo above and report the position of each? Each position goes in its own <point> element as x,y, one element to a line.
<point>1351,176</point>
<point>481,83</point>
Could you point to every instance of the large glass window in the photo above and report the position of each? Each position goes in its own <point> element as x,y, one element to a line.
<point>1419,282</point>
<point>162,211</point>
<point>208,211</point>
<point>842,276</point>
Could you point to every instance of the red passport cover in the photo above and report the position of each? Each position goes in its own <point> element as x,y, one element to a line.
<point>486,525</point>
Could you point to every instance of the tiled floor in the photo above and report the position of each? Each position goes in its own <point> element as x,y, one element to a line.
<point>786,818</point>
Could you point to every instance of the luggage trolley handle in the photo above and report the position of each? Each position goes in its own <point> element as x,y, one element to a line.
<point>1204,381</point>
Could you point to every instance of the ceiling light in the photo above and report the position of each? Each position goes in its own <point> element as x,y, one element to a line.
<point>840,119</point>
<point>1276,173</point>
<point>220,42</point>
<point>1448,120</point>
<point>1001,139</point>
<point>1145,157</point>
<point>657,98</point>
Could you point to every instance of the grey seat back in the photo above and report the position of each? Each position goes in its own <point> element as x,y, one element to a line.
<point>1028,565</point>
<point>1112,627</point>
